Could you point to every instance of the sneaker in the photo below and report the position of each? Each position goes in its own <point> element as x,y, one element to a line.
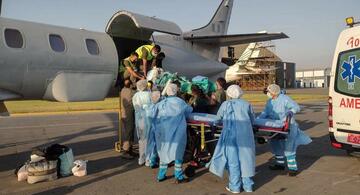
<point>248,190</point>
<point>234,192</point>
<point>147,164</point>
<point>141,162</point>
<point>277,167</point>
<point>292,173</point>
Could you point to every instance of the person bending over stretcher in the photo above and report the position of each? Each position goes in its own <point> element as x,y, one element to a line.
<point>277,108</point>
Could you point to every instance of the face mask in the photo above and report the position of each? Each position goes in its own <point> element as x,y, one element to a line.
<point>153,53</point>
<point>269,95</point>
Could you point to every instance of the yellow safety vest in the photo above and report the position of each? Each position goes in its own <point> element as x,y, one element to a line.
<point>148,49</point>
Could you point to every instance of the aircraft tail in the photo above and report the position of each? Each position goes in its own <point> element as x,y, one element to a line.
<point>219,23</point>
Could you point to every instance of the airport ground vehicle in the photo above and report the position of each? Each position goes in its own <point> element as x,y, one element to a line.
<point>344,92</point>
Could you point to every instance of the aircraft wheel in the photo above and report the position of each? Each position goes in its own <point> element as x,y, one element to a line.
<point>261,140</point>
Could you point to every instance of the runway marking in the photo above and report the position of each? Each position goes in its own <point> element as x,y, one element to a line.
<point>57,125</point>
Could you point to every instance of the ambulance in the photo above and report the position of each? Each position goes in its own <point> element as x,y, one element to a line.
<point>344,92</point>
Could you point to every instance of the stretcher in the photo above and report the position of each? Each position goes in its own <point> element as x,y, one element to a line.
<point>266,129</point>
<point>204,130</point>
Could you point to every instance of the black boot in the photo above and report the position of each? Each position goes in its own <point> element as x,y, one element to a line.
<point>292,173</point>
<point>276,167</point>
<point>184,180</point>
<point>126,155</point>
<point>163,179</point>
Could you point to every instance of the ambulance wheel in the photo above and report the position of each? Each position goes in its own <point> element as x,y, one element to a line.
<point>261,140</point>
<point>190,171</point>
<point>353,154</point>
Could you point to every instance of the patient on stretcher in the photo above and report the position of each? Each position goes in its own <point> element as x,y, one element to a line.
<point>202,117</point>
<point>269,123</point>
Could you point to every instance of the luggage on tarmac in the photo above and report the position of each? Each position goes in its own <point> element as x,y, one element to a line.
<point>21,173</point>
<point>47,164</point>
<point>79,169</point>
<point>65,158</point>
<point>41,170</point>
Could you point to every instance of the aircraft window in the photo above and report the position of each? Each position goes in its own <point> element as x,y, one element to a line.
<point>92,47</point>
<point>13,38</point>
<point>57,43</point>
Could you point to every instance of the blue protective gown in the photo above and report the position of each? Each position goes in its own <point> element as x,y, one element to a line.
<point>142,104</point>
<point>151,151</point>
<point>170,133</point>
<point>277,109</point>
<point>236,145</point>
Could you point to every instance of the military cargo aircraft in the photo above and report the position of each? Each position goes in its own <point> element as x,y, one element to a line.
<point>41,61</point>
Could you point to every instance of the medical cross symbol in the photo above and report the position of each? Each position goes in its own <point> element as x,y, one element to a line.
<point>351,70</point>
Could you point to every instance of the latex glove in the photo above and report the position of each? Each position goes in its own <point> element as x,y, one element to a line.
<point>290,113</point>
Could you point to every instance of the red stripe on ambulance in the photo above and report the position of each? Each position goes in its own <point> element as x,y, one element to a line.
<point>350,103</point>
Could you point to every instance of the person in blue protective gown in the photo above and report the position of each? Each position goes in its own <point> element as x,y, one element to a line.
<point>235,150</point>
<point>170,133</point>
<point>151,151</point>
<point>142,104</point>
<point>278,107</point>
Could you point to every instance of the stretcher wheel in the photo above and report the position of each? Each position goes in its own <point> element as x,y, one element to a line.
<point>190,171</point>
<point>261,140</point>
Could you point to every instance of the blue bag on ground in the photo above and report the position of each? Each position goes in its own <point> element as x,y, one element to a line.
<point>66,163</point>
<point>65,158</point>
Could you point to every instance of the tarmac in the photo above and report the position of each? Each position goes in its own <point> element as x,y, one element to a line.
<point>323,169</point>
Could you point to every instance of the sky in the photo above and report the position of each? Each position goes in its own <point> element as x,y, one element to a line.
<point>312,25</point>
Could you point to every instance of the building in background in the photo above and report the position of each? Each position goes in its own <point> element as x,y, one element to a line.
<point>285,74</point>
<point>254,66</point>
<point>313,78</point>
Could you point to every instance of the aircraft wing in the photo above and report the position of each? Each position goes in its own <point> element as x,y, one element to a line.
<point>226,40</point>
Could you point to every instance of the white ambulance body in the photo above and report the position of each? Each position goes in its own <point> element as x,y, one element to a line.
<point>344,92</point>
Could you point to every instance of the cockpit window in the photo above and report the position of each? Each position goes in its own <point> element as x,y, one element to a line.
<point>13,38</point>
<point>92,47</point>
<point>57,43</point>
<point>348,73</point>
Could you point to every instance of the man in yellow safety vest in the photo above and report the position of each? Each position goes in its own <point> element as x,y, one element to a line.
<point>147,54</point>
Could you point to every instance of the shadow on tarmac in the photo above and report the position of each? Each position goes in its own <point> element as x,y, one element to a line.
<point>306,157</point>
<point>79,148</point>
